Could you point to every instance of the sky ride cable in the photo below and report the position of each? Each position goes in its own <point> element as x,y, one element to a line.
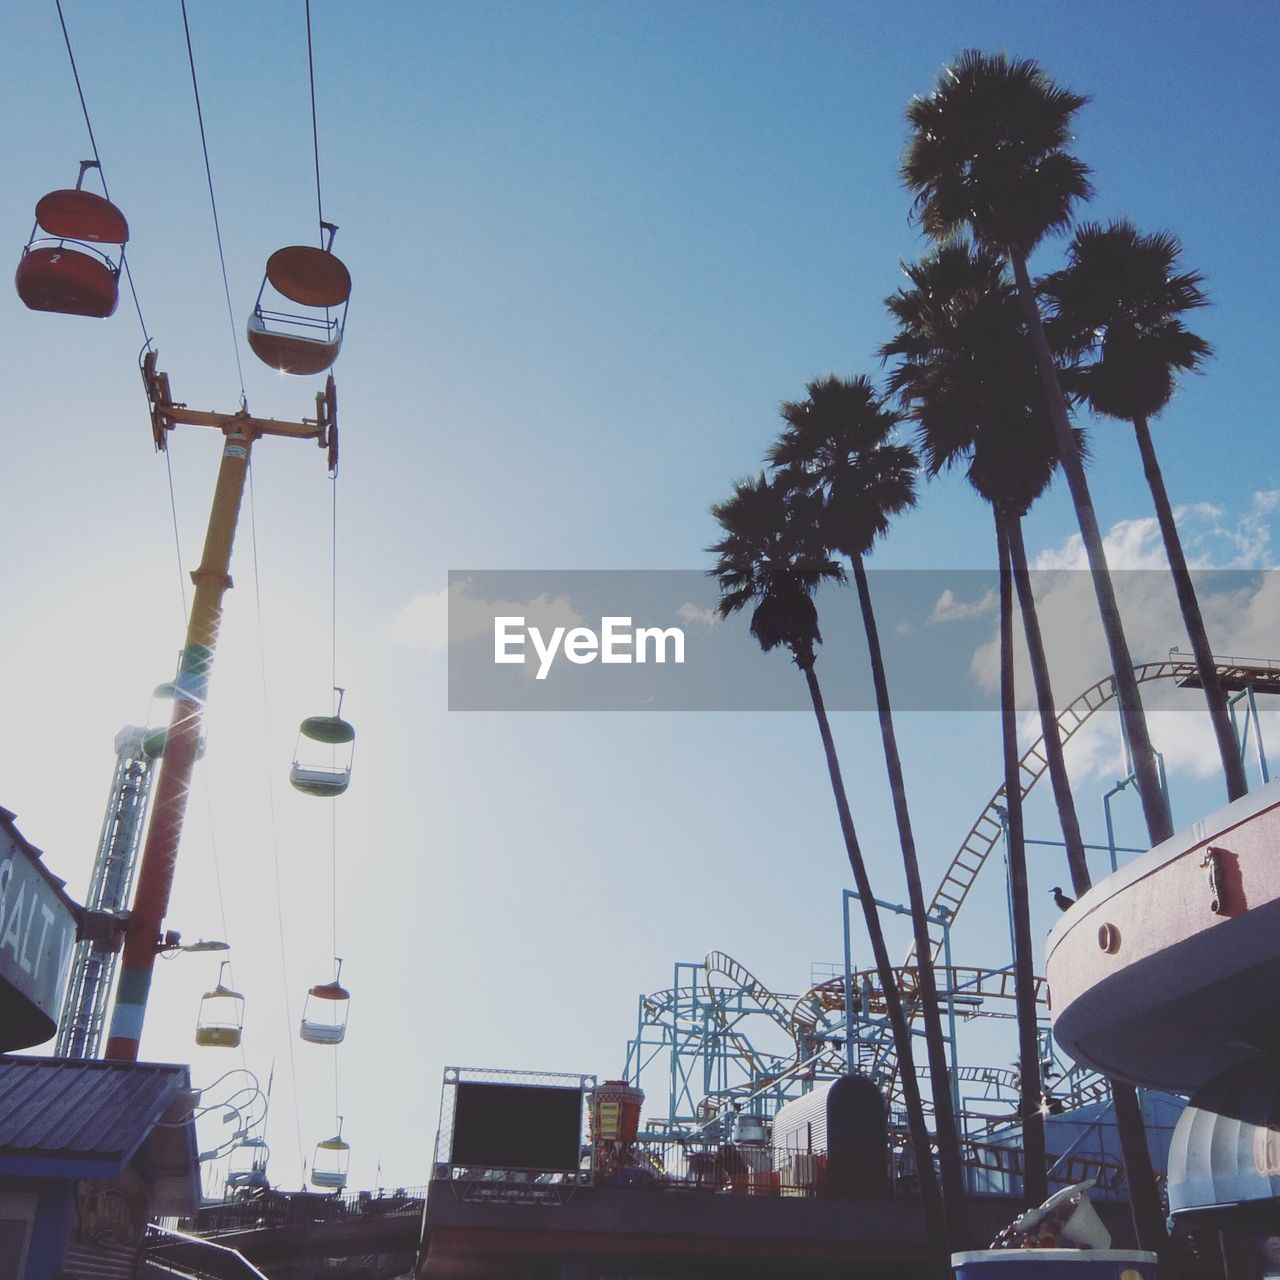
<point>177,540</point>
<point>217,229</point>
<point>333,674</point>
<point>333,669</point>
<point>315,133</point>
<point>93,143</point>
<point>275,840</point>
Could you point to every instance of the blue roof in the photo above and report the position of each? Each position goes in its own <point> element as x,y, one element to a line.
<point>74,1118</point>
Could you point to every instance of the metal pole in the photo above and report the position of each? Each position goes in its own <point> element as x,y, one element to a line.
<point>848,985</point>
<point>1008,884</point>
<point>1111,831</point>
<point>1257,729</point>
<point>173,779</point>
<point>944,919</point>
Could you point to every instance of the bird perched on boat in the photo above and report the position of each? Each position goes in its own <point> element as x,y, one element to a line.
<point>1061,899</point>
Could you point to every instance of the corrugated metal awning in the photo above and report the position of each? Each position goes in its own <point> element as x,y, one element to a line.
<point>74,1119</point>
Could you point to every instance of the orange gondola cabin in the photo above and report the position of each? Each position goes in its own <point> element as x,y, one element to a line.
<point>302,342</point>
<point>324,1013</point>
<point>62,269</point>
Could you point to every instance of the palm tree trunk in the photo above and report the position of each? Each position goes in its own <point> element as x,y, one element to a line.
<point>1035,1182</point>
<point>1144,1195</point>
<point>1214,695</point>
<point>948,1137</point>
<point>1154,807</point>
<point>1063,799</point>
<point>931,1201</point>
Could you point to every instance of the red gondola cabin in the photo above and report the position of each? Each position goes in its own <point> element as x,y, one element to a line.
<point>61,268</point>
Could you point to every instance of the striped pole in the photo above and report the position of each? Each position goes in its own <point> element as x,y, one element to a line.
<point>173,781</point>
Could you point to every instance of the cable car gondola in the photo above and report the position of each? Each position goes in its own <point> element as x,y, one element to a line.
<point>221,1020</point>
<point>310,773</point>
<point>324,1015</point>
<point>302,342</point>
<point>247,1166</point>
<point>61,270</point>
<point>329,1164</point>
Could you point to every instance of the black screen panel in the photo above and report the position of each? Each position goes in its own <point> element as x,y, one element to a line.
<point>517,1126</point>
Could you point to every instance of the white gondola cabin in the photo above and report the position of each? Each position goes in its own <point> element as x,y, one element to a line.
<point>301,342</point>
<point>247,1167</point>
<point>329,1164</point>
<point>62,269</point>
<point>221,1021</point>
<point>324,1014</point>
<point>315,771</point>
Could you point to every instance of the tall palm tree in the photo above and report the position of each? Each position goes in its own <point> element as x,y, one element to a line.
<point>988,153</point>
<point>967,379</point>
<point>836,445</point>
<point>1119,303</point>
<point>771,557</point>
<point>966,374</point>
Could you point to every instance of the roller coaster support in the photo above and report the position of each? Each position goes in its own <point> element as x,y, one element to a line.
<point>1129,779</point>
<point>142,935</point>
<point>942,917</point>
<point>1246,696</point>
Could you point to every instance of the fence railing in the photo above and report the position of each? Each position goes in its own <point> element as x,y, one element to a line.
<point>269,1208</point>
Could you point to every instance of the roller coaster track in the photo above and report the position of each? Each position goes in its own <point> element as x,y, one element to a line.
<point>987,830</point>
<point>985,834</point>
<point>748,986</point>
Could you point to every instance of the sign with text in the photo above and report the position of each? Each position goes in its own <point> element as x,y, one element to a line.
<point>37,939</point>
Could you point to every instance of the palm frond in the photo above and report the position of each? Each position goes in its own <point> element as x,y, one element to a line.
<point>987,153</point>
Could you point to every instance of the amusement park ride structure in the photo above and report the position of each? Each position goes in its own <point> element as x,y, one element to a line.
<point>72,265</point>
<point>707,1030</point>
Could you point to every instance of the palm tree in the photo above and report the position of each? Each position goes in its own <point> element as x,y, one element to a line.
<point>1120,301</point>
<point>988,153</point>
<point>966,376</point>
<point>836,446</point>
<point>772,557</point>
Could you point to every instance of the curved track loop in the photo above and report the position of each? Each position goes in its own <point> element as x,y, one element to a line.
<point>985,833</point>
<point>750,987</point>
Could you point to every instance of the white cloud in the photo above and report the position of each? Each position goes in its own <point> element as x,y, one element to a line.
<point>453,615</point>
<point>949,609</point>
<point>1242,616</point>
<point>696,616</point>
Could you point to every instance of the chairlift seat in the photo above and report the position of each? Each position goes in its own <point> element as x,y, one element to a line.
<point>293,352</point>
<point>332,1156</point>
<point>313,781</point>
<point>220,1023</point>
<point>334,1030</point>
<point>331,1179</point>
<point>70,281</point>
<point>217,1037</point>
<point>308,276</point>
<point>73,214</point>
<point>313,278</point>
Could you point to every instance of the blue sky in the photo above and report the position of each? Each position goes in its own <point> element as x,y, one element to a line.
<point>593,246</point>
